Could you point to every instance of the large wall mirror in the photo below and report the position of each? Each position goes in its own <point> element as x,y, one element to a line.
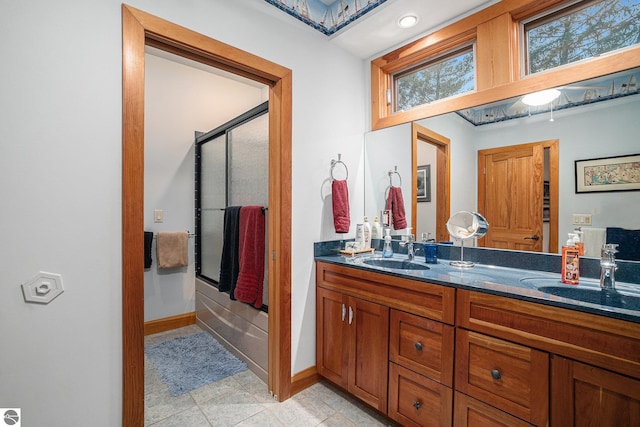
<point>589,120</point>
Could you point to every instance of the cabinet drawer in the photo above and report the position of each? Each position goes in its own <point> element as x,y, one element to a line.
<point>469,412</point>
<point>418,401</point>
<point>509,376</point>
<point>422,345</point>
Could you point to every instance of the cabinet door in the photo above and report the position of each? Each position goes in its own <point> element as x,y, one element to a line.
<point>368,352</point>
<point>331,336</point>
<point>583,395</point>
<point>503,374</point>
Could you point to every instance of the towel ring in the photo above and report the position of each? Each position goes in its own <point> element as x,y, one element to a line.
<point>394,172</point>
<point>333,165</point>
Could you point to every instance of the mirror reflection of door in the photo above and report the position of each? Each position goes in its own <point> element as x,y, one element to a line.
<point>511,196</point>
<point>431,217</point>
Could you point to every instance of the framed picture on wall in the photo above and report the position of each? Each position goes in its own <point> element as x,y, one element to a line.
<point>424,183</point>
<point>621,173</point>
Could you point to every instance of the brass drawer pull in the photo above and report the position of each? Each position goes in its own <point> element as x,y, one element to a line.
<point>495,374</point>
<point>418,346</point>
<point>417,405</point>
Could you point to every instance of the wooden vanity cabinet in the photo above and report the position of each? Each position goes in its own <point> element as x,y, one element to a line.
<point>431,355</point>
<point>397,347</point>
<point>594,361</point>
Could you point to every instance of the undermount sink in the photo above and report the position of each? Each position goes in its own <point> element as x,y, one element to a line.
<point>594,296</point>
<point>395,264</point>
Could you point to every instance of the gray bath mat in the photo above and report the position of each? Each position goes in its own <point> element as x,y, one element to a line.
<point>186,363</point>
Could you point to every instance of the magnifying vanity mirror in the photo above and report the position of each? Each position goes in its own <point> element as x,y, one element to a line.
<point>589,120</point>
<point>464,226</point>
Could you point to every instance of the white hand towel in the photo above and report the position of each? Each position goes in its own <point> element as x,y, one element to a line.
<point>593,239</point>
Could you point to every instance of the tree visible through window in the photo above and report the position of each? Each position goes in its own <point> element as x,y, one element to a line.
<point>448,76</point>
<point>585,31</point>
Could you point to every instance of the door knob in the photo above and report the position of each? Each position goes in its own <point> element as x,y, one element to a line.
<point>534,237</point>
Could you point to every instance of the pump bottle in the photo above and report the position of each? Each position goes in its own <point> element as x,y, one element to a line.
<point>387,252</point>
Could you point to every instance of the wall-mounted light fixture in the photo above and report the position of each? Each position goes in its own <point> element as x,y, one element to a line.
<point>408,20</point>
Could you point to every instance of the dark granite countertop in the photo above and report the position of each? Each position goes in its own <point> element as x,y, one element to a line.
<point>519,283</point>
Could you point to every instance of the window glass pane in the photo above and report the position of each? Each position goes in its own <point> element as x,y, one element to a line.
<point>582,33</point>
<point>211,230</point>
<point>447,77</point>
<point>212,203</point>
<point>249,163</point>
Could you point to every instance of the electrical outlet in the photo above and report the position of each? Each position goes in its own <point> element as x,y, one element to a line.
<point>581,219</point>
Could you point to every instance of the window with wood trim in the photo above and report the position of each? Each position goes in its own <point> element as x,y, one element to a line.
<point>583,30</point>
<point>442,77</point>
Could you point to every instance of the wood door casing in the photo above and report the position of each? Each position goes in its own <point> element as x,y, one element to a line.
<point>510,195</point>
<point>442,179</point>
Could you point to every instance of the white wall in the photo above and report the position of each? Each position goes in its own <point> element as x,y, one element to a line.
<point>180,99</point>
<point>61,194</point>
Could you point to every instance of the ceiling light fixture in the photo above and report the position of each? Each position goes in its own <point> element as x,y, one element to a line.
<point>540,98</point>
<point>408,21</point>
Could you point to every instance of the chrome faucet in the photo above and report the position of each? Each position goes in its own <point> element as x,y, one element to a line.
<point>608,266</point>
<point>408,241</point>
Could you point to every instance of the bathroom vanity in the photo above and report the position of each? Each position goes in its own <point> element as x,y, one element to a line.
<point>477,347</point>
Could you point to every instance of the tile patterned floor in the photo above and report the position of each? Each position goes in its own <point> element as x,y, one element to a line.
<point>243,400</point>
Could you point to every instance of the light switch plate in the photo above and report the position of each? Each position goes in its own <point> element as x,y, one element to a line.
<point>158,215</point>
<point>581,219</point>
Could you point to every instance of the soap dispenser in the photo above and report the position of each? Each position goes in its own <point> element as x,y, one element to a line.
<point>387,252</point>
<point>570,262</point>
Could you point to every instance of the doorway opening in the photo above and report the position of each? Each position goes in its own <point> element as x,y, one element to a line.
<point>422,135</point>
<point>140,29</point>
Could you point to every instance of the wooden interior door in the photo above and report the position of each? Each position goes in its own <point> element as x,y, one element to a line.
<point>510,196</point>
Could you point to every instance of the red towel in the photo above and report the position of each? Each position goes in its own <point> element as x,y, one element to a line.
<point>395,203</point>
<point>340,196</point>
<point>249,285</point>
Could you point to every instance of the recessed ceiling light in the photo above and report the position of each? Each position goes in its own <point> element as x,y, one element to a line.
<point>408,21</point>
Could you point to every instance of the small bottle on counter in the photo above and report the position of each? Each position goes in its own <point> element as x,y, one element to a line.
<point>376,229</point>
<point>367,234</point>
<point>387,252</point>
<point>360,236</point>
<point>570,263</point>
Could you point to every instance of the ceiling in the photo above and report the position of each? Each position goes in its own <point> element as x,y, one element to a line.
<point>366,28</point>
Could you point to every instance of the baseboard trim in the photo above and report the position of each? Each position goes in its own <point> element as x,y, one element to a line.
<point>304,379</point>
<point>168,323</point>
